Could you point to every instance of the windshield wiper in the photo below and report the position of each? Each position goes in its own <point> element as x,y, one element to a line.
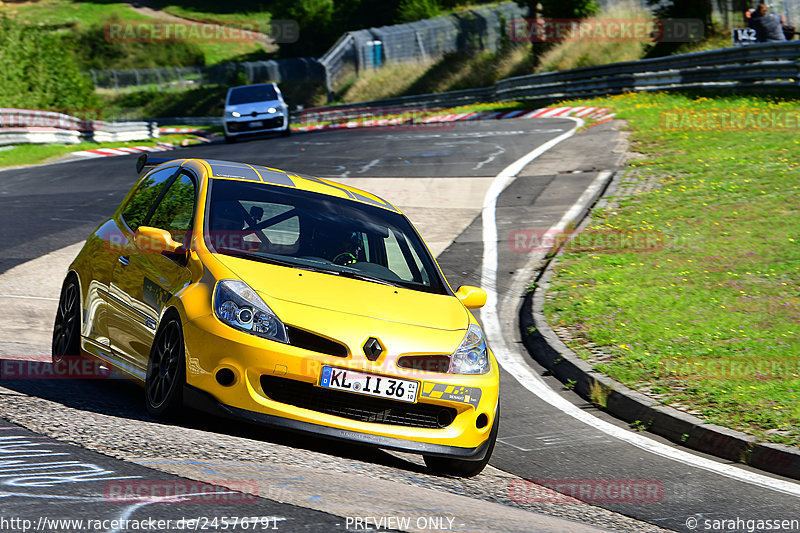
<point>264,258</point>
<point>366,277</point>
<point>267,258</point>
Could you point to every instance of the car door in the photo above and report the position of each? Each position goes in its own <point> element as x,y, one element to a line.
<point>144,280</point>
<point>108,243</point>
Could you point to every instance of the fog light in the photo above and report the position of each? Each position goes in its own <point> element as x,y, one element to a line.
<point>225,377</point>
<point>481,421</point>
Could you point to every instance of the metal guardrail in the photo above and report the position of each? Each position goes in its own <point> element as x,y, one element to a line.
<point>28,126</point>
<point>763,66</point>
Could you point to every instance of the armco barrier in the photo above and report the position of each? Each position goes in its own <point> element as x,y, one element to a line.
<point>763,66</point>
<point>27,126</point>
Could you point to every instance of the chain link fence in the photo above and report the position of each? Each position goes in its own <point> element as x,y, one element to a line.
<point>730,13</point>
<point>482,28</point>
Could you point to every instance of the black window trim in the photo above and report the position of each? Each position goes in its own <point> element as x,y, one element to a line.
<point>170,181</point>
<point>167,185</point>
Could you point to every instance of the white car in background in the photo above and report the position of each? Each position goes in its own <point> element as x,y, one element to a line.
<point>253,110</point>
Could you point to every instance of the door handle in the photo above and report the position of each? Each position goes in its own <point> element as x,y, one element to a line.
<point>124,260</point>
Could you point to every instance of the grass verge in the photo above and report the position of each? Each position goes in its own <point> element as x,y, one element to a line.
<point>88,15</point>
<point>699,305</point>
<point>452,72</point>
<point>34,154</point>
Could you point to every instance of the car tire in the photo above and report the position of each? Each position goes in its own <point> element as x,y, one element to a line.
<point>461,467</point>
<point>166,371</point>
<point>229,139</point>
<point>286,132</point>
<point>67,327</point>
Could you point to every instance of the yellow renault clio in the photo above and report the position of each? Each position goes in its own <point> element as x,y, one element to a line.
<point>284,300</point>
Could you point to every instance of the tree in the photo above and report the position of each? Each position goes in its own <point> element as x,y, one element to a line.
<point>561,9</point>
<point>413,10</point>
<point>679,9</point>
<point>683,9</point>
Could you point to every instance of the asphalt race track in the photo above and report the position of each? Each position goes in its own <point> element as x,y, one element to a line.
<point>47,208</point>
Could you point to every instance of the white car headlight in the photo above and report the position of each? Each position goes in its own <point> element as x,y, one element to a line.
<point>272,110</point>
<point>238,305</point>
<point>472,357</point>
<point>234,114</point>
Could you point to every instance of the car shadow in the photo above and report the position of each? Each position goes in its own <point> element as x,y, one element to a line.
<point>113,395</point>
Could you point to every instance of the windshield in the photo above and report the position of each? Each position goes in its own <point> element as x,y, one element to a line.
<point>312,231</point>
<point>252,93</point>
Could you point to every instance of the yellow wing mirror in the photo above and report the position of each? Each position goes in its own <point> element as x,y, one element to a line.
<point>156,240</point>
<point>471,297</point>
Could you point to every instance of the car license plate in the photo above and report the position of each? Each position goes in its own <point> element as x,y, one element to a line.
<point>256,124</point>
<point>404,390</point>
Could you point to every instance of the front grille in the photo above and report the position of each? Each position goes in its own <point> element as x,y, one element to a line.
<point>356,406</point>
<point>267,124</point>
<point>315,343</point>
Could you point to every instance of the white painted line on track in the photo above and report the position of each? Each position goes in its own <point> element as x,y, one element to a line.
<point>514,364</point>
<point>28,297</point>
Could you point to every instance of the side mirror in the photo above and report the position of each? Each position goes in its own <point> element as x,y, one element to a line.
<point>471,297</point>
<point>221,105</point>
<point>156,240</point>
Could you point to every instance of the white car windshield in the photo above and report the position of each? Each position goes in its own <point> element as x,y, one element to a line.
<point>252,93</point>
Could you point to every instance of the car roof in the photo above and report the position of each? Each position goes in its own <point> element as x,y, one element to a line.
<point>253,85</point>
<point>216,169</point>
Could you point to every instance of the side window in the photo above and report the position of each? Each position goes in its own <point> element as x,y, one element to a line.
<point>176,209</point>
<point>403,259</point>
<point>395,259</point>
<point>142,200</point>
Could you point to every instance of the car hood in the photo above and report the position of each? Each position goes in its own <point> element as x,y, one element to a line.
<point>279,284</point>
<point>258,107</point>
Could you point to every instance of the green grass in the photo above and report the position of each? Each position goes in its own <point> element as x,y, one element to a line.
<point>452,72</point>
<point>711,320</point>
<point>202,101</point>
<point>575,52</point>
<point>85,15</point>
<point>64,12</point>
<point>191,12</point>
<point>34,154</point>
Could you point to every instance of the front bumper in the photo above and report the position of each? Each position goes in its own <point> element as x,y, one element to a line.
<point>255,125</point>
<point>203,401</point>
<point>212,346</point>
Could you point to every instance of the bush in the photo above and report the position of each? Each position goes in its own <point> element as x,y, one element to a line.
<point>413,10</point>
<point>37,70</point>
<point>94,51</point>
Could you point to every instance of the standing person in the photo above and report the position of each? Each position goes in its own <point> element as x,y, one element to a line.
<point>767,25</point>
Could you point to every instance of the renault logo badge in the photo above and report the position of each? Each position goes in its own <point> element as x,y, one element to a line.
<point>372,348</point>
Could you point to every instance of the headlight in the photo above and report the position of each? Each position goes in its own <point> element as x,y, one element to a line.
<point>235,114</point>
<point>238,306</point>
<point>472,357</point>
<point>272,110</point>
